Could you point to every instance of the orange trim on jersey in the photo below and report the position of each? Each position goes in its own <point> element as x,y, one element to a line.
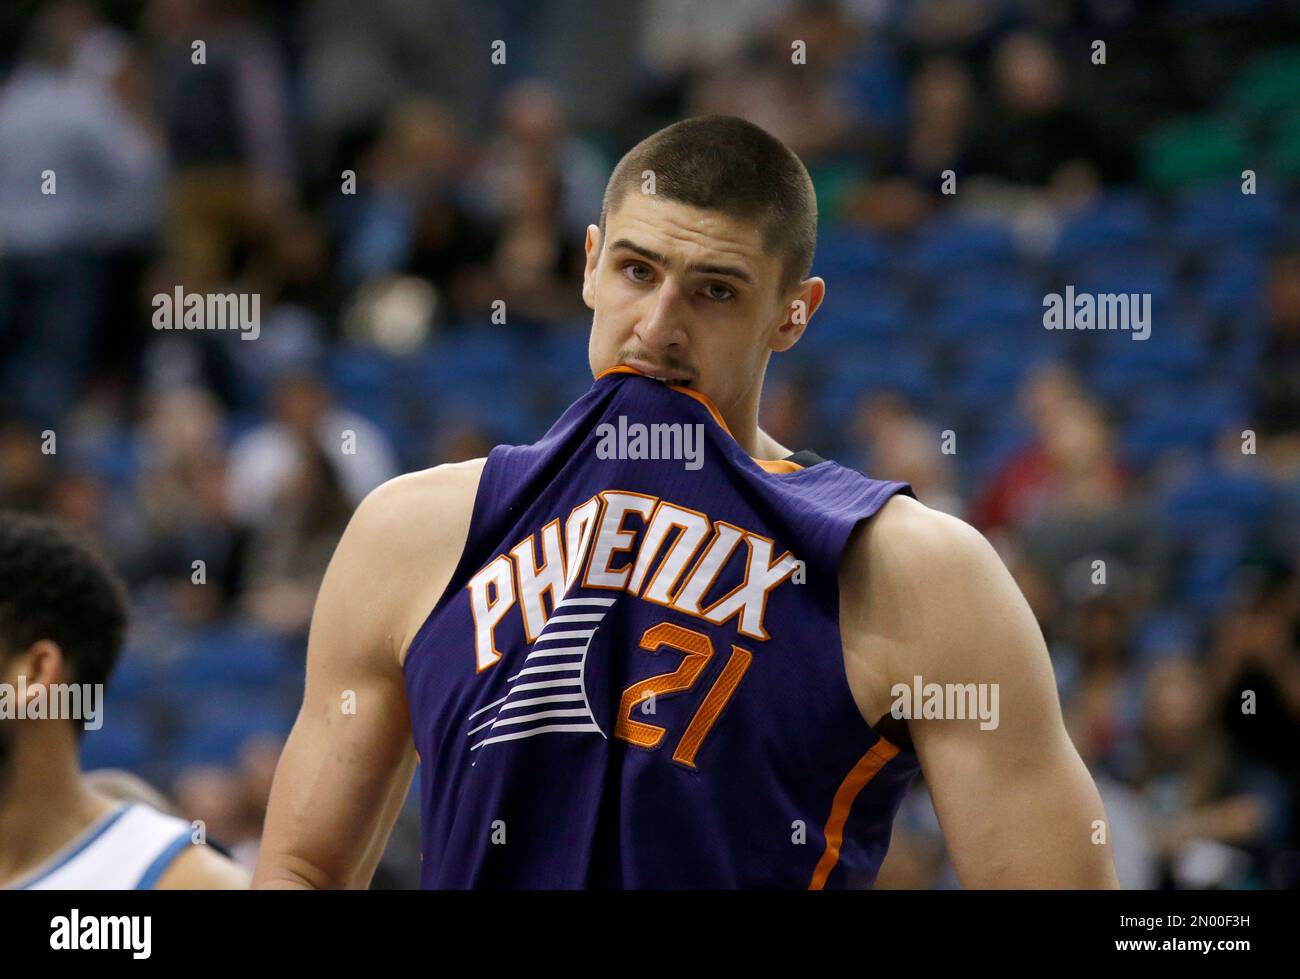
<point>863,772</point>
<point>778,466</point>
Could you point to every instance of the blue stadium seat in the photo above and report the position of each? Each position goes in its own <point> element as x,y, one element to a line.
<point>948,245</point>
<point>973,307</point>
<point>484,351</point>
<point>847,253</point>
<point>365,381</point>
<point>357,369</point>
<point>1162,631</point>
<point>1205,573</point>
<point>218,744</point>
<point>481,376</point>
<point>1131,271</point>
<point>1175,426</point>
<point>991,369</point>
<point>1212,496</point>
<point>982,453</point>
<point>1245,351</point>
<point>230,656</point>
<point>135,675</point>
<point>1233,284</point>
<point>858,313</point>
<point>113,456</point>
<point>1117,219</point>
<point>1211,216</point>
<point>858,371</point>
<point>124,741</point>
<point>213,729</point>
<point>505,407</point>
<point>1173,353</point>
<point>564,350</point>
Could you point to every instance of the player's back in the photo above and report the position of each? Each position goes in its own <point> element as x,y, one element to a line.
<point>635,676</point>
<point>128,848</point>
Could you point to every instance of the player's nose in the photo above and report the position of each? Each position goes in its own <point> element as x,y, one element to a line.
<point>662,324</point>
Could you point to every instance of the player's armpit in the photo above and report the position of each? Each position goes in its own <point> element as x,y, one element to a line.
<point>1017,806</point>
<point>350,753</point>
<point>201,868</point>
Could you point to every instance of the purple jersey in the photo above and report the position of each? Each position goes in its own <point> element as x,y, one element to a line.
<point>635,679</point>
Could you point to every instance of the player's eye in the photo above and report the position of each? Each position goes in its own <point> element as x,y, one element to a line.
<point>632,270</point>
<point>717,291</point>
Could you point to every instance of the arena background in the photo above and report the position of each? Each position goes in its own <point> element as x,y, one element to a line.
<point>379,176</point>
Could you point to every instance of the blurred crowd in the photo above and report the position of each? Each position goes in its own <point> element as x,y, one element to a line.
<point>381,180</point>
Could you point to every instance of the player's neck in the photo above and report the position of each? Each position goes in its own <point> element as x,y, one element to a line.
<point>44,805</point>
<point>742,422</point>
<point>768,447</point>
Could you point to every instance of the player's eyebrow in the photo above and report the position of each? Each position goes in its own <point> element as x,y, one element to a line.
<point>731,271</point>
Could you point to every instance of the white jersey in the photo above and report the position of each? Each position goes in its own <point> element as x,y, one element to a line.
<point>128,848</point>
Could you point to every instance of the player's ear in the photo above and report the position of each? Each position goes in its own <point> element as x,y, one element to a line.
<point>798,311</point>
<point>592,246</point>
<point>41,663</point>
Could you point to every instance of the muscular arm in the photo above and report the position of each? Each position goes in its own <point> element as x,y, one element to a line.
<point>346,769</point>
<point>1017,806</point>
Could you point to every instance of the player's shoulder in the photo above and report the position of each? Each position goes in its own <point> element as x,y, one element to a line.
<point>430,502</point>
<point>919,554</point>
<point>201,868</point>
<point>402,546</point>
<point>438,485</point>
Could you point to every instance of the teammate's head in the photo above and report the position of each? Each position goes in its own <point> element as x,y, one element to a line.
<point>704,247</point>
<point>62,611</point>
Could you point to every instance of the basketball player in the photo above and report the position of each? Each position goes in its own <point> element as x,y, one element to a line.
<point>628,671</point>
<point>62,618</point>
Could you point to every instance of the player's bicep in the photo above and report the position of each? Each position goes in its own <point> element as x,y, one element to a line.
<point>351,742</point>
<point>1016,804</point>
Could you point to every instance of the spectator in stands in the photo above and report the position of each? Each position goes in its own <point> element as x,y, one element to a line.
<point>937,138</point>
<point>229,134</point>
<point>1219,818</point>
<point>410,212</point>
<point>288,554</point>
<point>537,266</point>
<point>534,136</point>
<point>77,177</point>
<point>1277,380</point>
<point>216,796</point>
<point>26,472</point>
<point>1030,130</point>
<point>1254,673</point>
<point>1095,670</point>
<point>181,512</point>
<point>1069,468</point>
<point>359,60</point>
<point>942,107</point>
<point>809,108</point>
<point>269,458</point>
<point>907,447</point>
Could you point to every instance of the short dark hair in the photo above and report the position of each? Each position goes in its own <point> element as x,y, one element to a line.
<point>723,163</point>
<point>53,586</point>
